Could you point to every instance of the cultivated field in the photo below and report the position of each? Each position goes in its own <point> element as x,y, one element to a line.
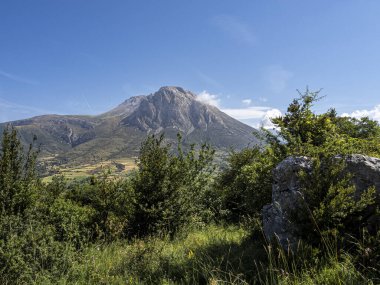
<point>117,168</point>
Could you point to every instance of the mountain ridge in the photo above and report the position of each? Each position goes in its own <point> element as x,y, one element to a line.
<point>119,132</point>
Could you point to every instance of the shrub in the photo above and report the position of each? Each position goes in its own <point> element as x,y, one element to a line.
<point>171,189</point>
<point>108,202</point>
<point>247,182</point>
<point>27,245</point>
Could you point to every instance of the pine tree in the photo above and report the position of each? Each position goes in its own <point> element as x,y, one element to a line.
<point>17,174</point>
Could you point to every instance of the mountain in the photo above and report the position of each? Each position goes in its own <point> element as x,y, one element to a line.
<point>119,132</point>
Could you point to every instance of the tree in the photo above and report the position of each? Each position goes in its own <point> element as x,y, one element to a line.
<point>111,201</point>
<point>27,243</point>
<point>171,188</point>
<point>17,174</point>
<point>303,132</point>
<point>247,182</point>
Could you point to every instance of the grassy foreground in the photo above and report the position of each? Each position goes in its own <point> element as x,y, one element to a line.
<point>213,255</point>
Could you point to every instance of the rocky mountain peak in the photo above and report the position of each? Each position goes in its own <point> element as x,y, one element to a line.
<point>169,107</point>
<point>173,109</point>
<point>173,93</point>
<point>165,96</point>
<point>171,89</point>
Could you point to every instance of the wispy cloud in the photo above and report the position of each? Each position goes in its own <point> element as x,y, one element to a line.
<point>208,98</point>
<point>277,77</point>
<point>10,111</point>
<point>247,102</point>
<point>235,28</point>
<point>87,103</point>
<point>17,78</point>
<point>373,114</point>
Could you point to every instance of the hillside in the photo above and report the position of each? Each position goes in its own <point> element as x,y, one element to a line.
<point>118,133</point>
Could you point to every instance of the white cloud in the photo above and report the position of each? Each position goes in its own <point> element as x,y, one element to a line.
<point>277,77</point>
<point>17,78</point>
<point>235,29</point>
<point>246,113</point>
<point>208,98</point>
<point>263,99</point>
<point>266,120</point>
<point>254,116</point>
<point>373,114</point>
<point>247,102</point>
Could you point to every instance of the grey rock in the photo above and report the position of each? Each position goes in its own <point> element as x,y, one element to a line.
<point>287,193</point>
<point>365,172</point>
<point>286,197</point>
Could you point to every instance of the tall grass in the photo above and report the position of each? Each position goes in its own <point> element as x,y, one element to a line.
<point>212,255</point>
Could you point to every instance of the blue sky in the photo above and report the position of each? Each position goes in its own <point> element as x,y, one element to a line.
<point>247,57</point>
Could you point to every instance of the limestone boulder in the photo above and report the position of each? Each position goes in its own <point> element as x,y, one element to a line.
<point>287,192</point>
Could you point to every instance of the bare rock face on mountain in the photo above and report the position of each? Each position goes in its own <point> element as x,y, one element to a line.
<point>172,110</point>
<point>287,193</point>
<point>119,132</point>
<point>170,107</point>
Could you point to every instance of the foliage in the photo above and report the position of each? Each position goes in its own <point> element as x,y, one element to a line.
<point>165,222</point>
<point>246,183</point>
<point>72,222</point>
<point>171,189</point>
<point>330,197</point>
<point>27,245</point>
<point>332,206</point>
<point>302,132</point>
<point>17,175</point>
<point>29,248</point>
<point>111,202</point>
<point>331,203</point>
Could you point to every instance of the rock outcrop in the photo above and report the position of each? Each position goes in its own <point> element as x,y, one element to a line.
<point>366,173</point>
<point>286,197</point>
<point>287,193</point>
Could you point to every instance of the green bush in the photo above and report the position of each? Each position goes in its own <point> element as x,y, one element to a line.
<point>109,204</point>
<point>27,244</point>
<point>171,189</point>
<point>332,205</point>
<point>72,222</point>
<point>247,182</point>
<point>28,249</point>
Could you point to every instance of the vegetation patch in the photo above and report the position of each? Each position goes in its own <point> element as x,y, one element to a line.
<point>177,218</point>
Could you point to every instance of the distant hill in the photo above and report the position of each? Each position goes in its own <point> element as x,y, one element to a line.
<point>118,133</point>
